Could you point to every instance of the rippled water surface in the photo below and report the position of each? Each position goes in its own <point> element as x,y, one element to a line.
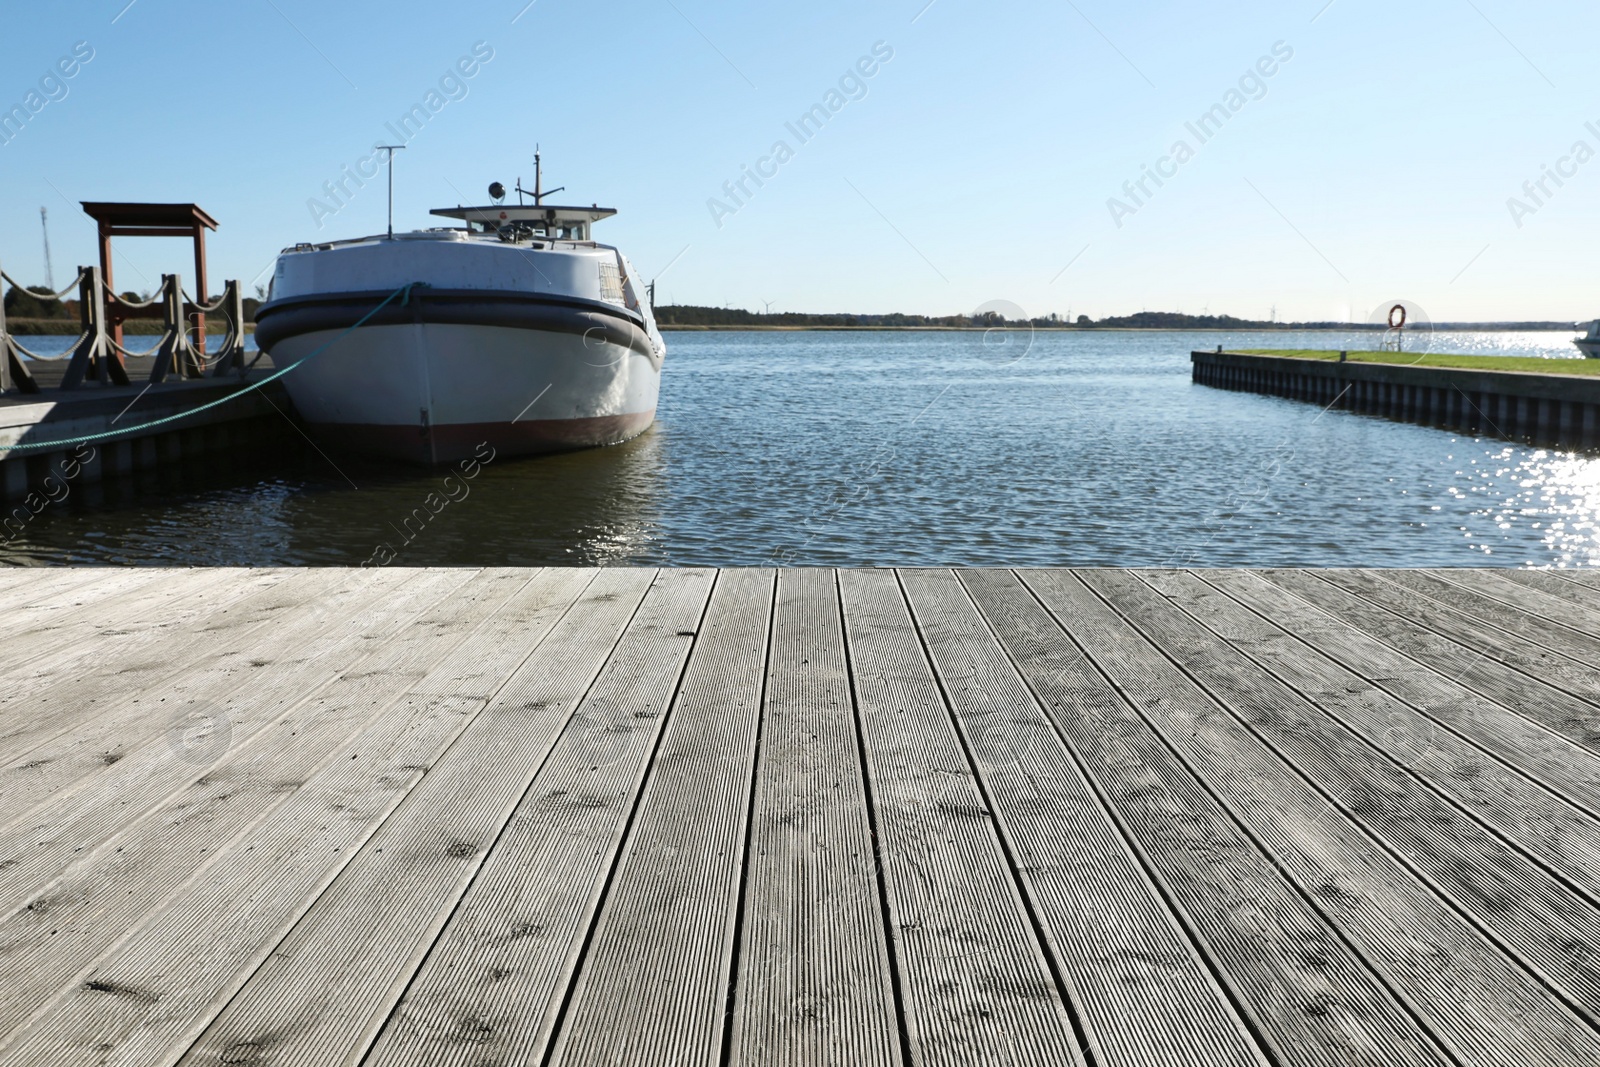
<point>834,448</point>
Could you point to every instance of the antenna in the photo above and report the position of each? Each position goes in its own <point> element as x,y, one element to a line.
<point>49,273</point>
<point>538,192</point>
<point>389,162</point>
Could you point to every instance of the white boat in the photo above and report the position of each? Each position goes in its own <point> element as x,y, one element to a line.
<point>521,333</point>
<point>1589,343</point>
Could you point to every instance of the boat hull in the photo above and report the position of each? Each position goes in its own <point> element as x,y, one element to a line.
<point>429,392</point>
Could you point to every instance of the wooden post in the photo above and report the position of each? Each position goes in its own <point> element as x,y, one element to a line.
<point>13,372</point>
<point>200,286</point>
<point>92,356</point>
<point>5,344</point>
<point>232,354</point>
<point>116,372</point>
<point>105,274</point>
<point>174,328</point>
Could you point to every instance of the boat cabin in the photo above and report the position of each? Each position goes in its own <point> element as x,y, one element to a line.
<point>552,223</point>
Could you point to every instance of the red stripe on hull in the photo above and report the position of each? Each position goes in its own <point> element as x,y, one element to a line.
<point>449,443</point>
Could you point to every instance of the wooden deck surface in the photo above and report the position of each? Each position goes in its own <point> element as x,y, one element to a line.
<point>920,817</point>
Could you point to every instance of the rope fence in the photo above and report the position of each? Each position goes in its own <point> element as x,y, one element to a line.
<point>62,295</point>
<point>98,352</point>
<point>403,294</point>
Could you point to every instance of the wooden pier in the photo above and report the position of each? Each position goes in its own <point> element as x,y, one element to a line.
<point>143,410</point>
<point>1553,409</point>
<point>259,419</point>
<point>471,817</point>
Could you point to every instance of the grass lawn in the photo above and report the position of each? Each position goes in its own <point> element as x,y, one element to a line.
<point>1528,364</point>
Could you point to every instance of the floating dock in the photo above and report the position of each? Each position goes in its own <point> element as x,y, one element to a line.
<point>1553,409</point>
<point>457,816</point>
<point>259,419</point>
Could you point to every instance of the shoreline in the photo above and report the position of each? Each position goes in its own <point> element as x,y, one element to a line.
<point>1449,328</point>
<point>143,328</point>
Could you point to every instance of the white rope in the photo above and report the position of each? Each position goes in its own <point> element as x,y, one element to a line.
<point>46,359</point>
<point>137,304</point>
<point>134,355</point>
<point>207,308</point>
<point>62,295</point>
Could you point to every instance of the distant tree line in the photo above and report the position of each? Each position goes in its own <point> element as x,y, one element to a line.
<point>38,302</point>
<point>691,315</point>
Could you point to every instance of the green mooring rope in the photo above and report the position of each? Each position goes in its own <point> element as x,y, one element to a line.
<point>404,292</point>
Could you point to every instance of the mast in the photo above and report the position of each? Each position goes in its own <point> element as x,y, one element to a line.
<point>49,274</point>
<point>389,163</point>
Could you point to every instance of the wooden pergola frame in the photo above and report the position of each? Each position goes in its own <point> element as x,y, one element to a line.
<point>151,220</point>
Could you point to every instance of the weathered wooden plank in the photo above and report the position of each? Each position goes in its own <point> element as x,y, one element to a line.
<point>58,618</point>
<point>976,986</point>
<point>16,577</point>
<point>162,733</point>
<point>1551,584</point>
<point>80,636</point>
<point>1544,610</point>
<point>32,595</point>
<point>654,984</point>
<point>1478,668</point>
<point>1482,1005</point>
<point>1483,599</point>
<point>54,595</point>
<point>812,981</point>
<point>1559,764</point>
<point>82,685</point>
<point>1518,777</point>
<point>495,980</point>
<point>160,867</point>
<point>1511,637</point>
<point>1139,989</point>
<point>173,970</point>
<point>1583,577</point>
<point>277,746</point>
<point>330,983</point>
<point>1283,842</point>
<point>1537,918</point>
<point>1304,993</point>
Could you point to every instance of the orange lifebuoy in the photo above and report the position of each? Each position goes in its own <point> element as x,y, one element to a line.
<point>1393,325</point>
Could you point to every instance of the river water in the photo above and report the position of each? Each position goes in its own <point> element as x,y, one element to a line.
<point>907,448</point>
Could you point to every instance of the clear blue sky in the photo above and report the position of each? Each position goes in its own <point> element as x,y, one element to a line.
<point>1375,164</point>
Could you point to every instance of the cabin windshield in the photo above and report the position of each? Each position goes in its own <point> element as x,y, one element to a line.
<point>565,231</point>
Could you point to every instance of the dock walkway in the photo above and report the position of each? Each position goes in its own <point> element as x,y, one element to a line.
<point>471,817</point>
<point>1546,408</point>
<point>47,424</point>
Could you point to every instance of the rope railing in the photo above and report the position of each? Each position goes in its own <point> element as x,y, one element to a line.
<point>195,305</point>
<point>133,355</point>
<point>31,354</point>
<point>97,354</point>
<point>62,295</point>
<point>403,294</point>
<point>136,305</point>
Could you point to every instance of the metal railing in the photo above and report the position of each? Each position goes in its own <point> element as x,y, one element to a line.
<point>96,356</point>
